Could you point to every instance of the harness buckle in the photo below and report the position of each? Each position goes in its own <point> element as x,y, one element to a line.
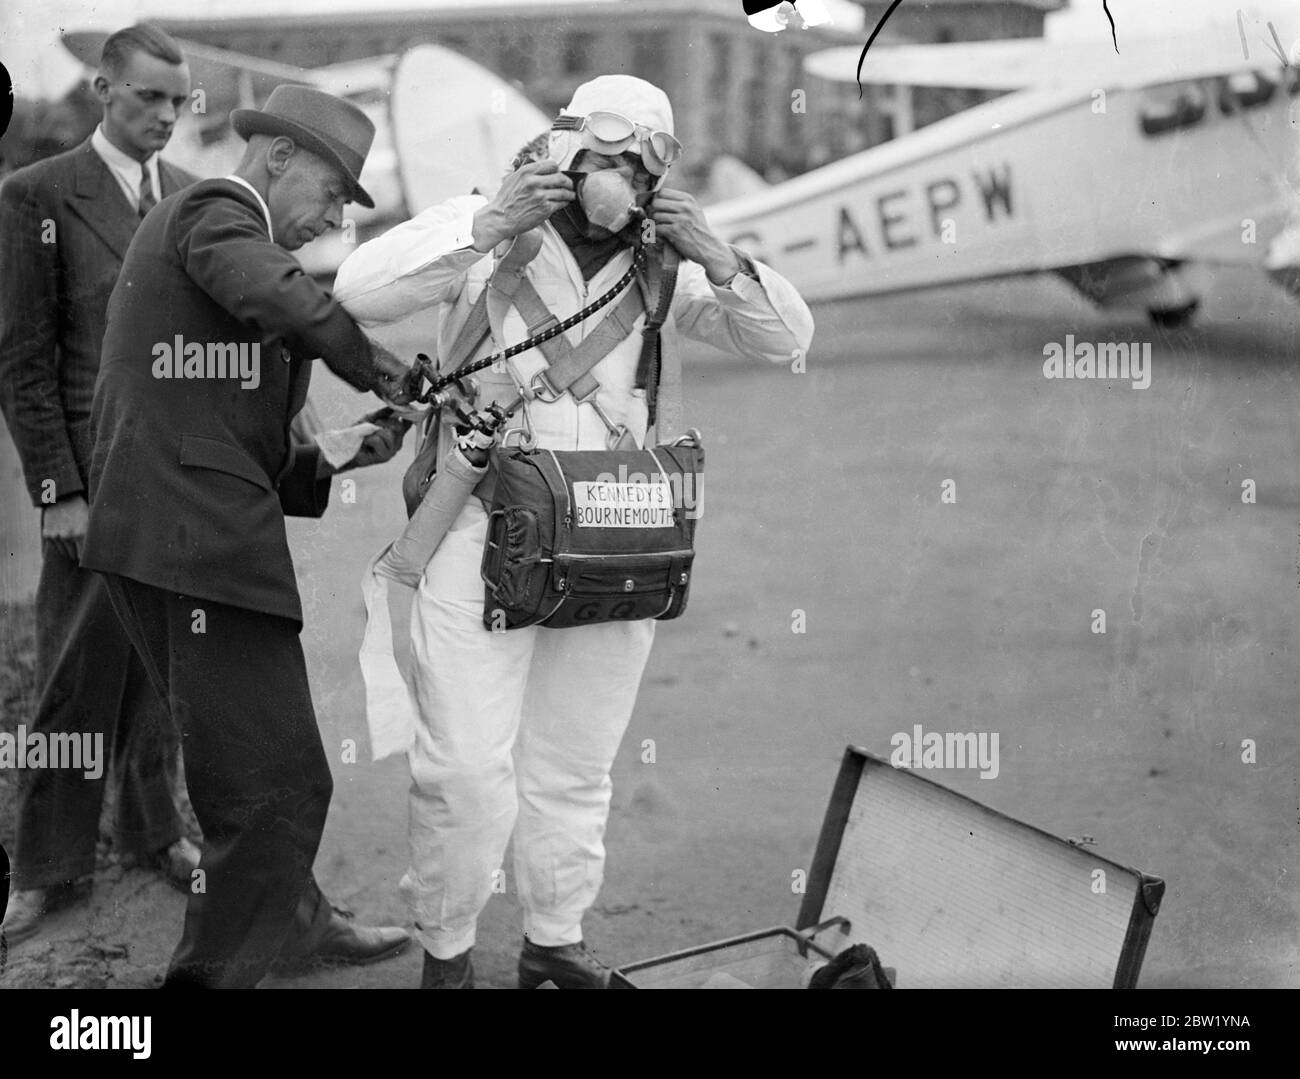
<point>527,436</point>
<point>616,432</point>
<point>540,388</point>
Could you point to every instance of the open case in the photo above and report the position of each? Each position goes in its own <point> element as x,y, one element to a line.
<point>950,894</point>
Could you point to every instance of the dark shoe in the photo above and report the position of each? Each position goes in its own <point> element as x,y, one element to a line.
<point>340,943</point>
<point>570,966</point>
<point>454,973</point>
<point>30,907</point>
<point>175,864</point>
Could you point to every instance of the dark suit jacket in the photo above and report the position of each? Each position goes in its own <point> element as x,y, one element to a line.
<point>191,476</point>
<point>64,230</point>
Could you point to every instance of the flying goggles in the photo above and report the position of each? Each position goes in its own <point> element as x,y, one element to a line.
<point>612,133</point>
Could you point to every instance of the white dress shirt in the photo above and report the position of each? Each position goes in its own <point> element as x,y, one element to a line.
<point>126,169</point>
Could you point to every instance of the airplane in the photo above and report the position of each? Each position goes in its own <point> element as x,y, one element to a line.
<point>1118,172</point>
<point>420,156</point>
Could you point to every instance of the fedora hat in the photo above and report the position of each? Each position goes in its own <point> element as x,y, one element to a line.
<point>328,126</point>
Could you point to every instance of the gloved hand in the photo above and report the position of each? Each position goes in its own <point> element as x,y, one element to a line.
<point>380,446</point>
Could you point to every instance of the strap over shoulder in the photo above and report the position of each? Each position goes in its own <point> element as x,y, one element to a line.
<point>658,286</point>
<point>511,261</point>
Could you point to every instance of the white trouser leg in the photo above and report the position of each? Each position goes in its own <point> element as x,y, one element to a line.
<point>581,689</point>
<point>469,689</point>
<point>552,703</point>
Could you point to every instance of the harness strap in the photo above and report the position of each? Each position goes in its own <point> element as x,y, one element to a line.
<point>564,358</point>
<point>476,328</point>
<point>661,275</point>
<point>670,414</point>
<point>506,275</point>
<point>569,366</point>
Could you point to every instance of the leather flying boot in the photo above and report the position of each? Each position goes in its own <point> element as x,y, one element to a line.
<point>570,966</point>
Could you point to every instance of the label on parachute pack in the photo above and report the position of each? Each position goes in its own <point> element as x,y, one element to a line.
<point>598,504</point>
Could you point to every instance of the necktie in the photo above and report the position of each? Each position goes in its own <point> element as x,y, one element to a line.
<point>147,200</point>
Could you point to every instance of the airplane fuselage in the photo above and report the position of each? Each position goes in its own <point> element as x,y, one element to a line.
<point>1033,181</point>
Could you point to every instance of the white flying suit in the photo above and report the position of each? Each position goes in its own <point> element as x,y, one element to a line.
<point>517,731</point>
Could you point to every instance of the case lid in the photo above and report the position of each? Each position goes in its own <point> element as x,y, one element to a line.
<point>955,894</point>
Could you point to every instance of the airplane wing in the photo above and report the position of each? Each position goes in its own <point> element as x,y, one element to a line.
<point>456,125</point>
<point>370,78</point>
<point>1035,62</point>
<point>982,65</point>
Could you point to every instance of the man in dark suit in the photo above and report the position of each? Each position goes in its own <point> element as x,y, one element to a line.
<point>211,331</point>
<point>65,224</point>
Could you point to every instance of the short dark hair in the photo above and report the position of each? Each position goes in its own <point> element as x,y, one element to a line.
<point>142,37</point>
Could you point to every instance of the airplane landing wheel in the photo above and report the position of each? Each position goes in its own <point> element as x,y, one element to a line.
<point>1174,318</point>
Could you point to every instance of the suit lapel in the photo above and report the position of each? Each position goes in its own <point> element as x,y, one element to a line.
<point>98,200</point>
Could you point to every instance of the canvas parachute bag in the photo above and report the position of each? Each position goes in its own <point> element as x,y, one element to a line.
<point>578,537</point>
<point>586,536</point>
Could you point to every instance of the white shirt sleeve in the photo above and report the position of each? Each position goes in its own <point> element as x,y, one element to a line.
<point>412,266</point>
<point>758,313</point>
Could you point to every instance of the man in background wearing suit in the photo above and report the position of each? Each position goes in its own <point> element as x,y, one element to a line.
<point>65,224</point>
<point>212,329</point>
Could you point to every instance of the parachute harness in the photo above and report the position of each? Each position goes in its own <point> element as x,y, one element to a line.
<point>426,371</point>
<point>477,429</point>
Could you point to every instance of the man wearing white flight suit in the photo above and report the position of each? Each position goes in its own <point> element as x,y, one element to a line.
<point>518,730</point>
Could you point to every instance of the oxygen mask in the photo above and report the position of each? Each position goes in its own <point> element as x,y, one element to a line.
<point>607,199</point>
